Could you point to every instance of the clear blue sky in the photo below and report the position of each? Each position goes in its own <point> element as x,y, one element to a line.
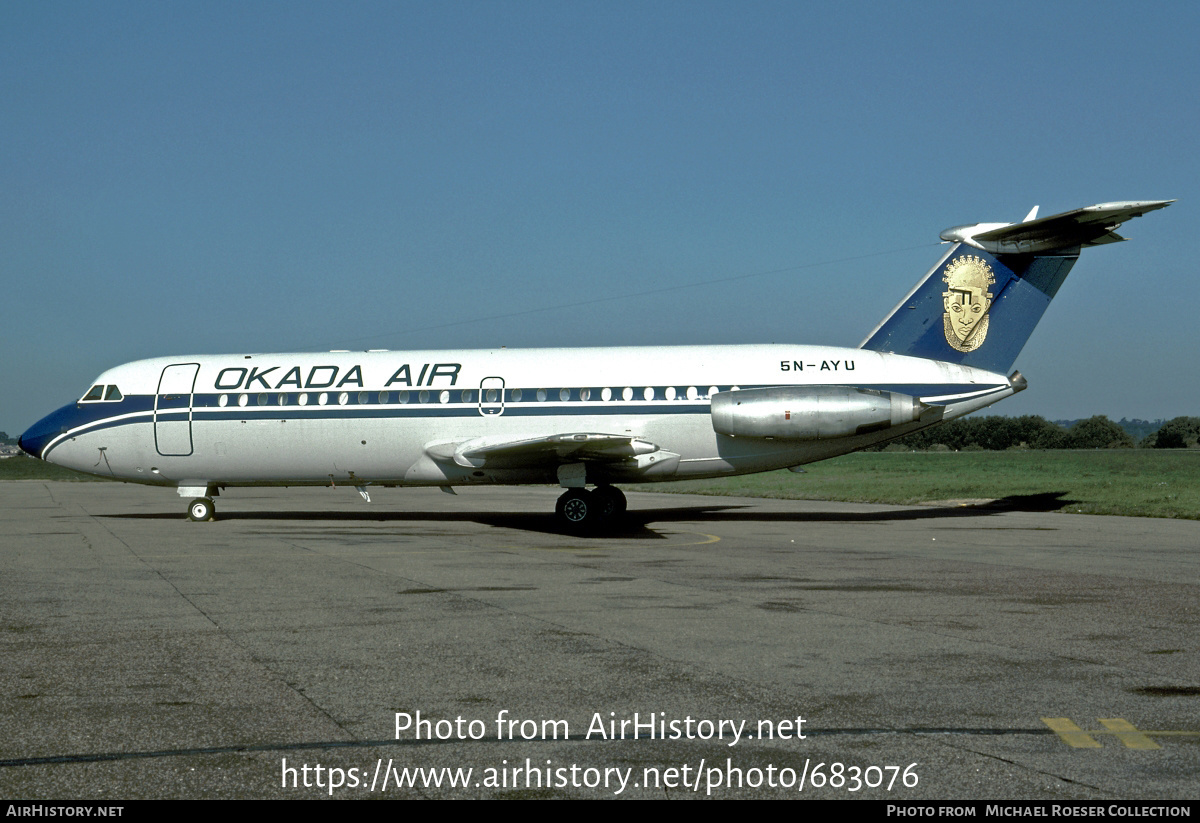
<point>224,177</point>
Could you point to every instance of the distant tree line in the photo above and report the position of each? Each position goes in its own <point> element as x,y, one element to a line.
<point>1034,432</point>
<point>1178,433</point>
<point>1138,429</point>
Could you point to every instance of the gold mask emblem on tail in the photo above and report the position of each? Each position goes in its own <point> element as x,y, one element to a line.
<point>967,301</point>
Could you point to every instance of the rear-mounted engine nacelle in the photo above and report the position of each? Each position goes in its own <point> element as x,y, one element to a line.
<point>811,412</point>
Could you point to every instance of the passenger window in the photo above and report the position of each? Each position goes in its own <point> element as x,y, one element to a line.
<point>94,393</point>
<point>113,393</point>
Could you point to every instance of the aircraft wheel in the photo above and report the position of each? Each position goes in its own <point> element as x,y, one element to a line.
<point>576,509</point>
<point>201,509</point>
<point>609,501</point>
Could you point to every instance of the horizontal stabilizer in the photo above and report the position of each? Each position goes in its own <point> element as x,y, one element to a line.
<point>1066,232</point>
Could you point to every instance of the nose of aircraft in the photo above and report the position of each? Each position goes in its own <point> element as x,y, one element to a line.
<point>38,436</point>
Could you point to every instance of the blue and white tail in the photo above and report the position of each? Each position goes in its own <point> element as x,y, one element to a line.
<point>981,302</point>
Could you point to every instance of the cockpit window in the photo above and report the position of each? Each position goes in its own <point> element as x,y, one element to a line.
<point>101,392</point>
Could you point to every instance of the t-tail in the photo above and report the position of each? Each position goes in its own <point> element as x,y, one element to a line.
<point>981,302</point>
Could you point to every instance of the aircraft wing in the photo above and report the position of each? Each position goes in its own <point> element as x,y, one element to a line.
<point>548,450</point>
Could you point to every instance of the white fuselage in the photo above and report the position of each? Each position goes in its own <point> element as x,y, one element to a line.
<point>379,417</point>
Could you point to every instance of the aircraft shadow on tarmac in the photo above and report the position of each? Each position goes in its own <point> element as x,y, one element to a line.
<point>636,523</point>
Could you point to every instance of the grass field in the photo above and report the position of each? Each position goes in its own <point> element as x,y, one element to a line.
<point>1139,482</point>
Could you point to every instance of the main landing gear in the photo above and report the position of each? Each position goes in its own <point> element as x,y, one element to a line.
<point>202,509</point>
<point>582,511</point>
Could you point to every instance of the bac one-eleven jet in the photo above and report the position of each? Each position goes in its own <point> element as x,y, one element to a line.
<point>580,418</point>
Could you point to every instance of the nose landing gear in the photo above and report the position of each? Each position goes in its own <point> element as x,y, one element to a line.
<point>202,509</point>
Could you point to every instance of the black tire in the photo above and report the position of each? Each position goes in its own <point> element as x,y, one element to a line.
<point>575,510</point>
<point>609,502</point>
<point>201,509</point>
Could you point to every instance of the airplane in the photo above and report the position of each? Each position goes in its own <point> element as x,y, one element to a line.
<point>581,418</point>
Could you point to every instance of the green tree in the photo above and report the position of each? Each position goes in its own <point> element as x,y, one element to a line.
<point>1177,433</point>
<point>1097,433</point>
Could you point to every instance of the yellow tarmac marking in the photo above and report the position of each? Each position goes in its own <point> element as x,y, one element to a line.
<point>1131,736</point>
<point>712,538</point>
<point>1127,734</point>
<point>1071,734</point>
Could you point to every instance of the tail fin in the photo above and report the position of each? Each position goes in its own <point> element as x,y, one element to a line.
<point>981,302</point>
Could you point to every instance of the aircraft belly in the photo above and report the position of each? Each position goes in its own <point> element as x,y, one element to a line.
<point>306,451</point>
<point>392,450</point>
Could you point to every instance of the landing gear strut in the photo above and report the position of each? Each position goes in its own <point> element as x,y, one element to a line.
<point>582,511</point>
<point>202,509</point>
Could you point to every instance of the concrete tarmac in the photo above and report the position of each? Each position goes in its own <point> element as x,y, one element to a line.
<point>999,652</point>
